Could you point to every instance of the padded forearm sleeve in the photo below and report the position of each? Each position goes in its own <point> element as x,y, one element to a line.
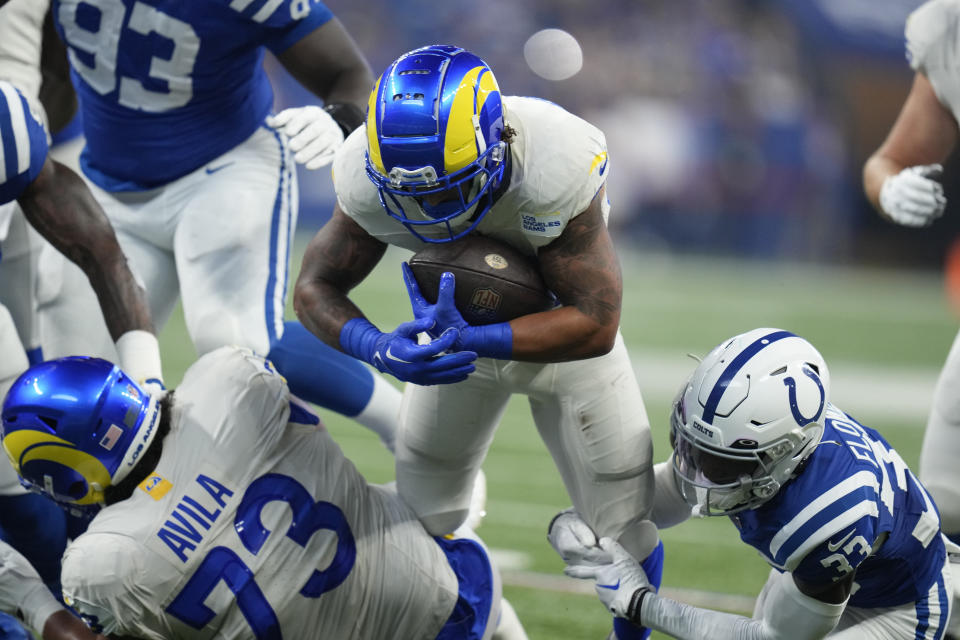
<point>669,507</point>
<point>787,614</point>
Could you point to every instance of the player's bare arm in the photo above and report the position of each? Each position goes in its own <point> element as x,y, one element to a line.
<point>63,625</point>
<point>582,269</point>
<point>337,259</point>
<point>329,63</point>
<point>924,133</point>
<point>62,209</point>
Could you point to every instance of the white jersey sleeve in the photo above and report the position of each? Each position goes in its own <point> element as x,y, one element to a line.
<point>238,398</point>
<point>21,589</point>
<point>933,48</point>
<point>102,588</point>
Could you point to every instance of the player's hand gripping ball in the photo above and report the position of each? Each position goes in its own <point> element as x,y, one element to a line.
<point>494,281</point>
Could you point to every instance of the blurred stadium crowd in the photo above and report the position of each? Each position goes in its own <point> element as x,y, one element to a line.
<point>736,127</point>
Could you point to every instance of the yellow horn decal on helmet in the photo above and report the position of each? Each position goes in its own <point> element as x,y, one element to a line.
<point>488,85</point>
<point>460,141</point>
<point>24,446</point>
<point>373,144</point>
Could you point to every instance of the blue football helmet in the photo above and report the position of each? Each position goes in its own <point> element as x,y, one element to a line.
<point>74,426</point>
<point>434,125</point>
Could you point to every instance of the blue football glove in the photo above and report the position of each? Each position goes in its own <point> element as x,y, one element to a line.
<point>487,341</point>
<point>399,354</point>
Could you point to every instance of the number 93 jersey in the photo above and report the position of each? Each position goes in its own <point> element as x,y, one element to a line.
<point>254,525</point>
<point>23,146</point>
<point>854,507</point>
<point>166,85</point>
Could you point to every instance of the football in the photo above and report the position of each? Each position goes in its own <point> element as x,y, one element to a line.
<point>494,281</point>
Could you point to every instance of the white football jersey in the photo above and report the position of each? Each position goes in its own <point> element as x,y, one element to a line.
<point>254,524</point>
<point>558,164</point>
<point>933,48</point>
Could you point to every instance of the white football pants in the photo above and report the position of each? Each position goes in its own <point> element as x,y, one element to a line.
<point>589,413</point>
<point>939,456</point>
<point>218,237</point>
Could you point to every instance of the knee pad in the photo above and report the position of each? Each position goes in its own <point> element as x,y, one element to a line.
<point>440,524</point>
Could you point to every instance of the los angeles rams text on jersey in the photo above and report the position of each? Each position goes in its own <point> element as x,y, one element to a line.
<point>854,507</point>
<point>192,70</point>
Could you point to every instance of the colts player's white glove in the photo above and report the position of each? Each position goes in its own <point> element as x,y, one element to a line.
<point>621,582</point>
<point>913,197</point>
<point>574,540</point>
<point>314,135</point>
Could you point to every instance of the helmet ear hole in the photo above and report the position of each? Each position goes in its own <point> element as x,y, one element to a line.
<point>50,422</point>
<point>77,490</point>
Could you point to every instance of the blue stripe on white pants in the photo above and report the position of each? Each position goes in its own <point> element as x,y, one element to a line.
<point>281,232</point>
<point>934,606</point>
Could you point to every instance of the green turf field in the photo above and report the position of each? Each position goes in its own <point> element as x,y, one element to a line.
<point>883,333</point>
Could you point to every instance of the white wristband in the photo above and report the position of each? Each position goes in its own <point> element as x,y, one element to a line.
<point>21,588</point>
<point>139,354</point>
<point>38,605</point>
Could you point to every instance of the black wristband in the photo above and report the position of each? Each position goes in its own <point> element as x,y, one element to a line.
<point>636,602</point>
<point>348,116</point>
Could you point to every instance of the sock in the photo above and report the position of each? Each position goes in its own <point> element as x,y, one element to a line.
<point>318,373</point>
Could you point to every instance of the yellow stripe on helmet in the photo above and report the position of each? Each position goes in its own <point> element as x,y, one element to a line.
<point>373,144</point>
<point>26,445</point>
<point>460,143</point>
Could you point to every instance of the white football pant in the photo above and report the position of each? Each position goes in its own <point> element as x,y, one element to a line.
<point>218,237</point>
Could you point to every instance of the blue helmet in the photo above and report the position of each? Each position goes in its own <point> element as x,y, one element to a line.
<point>434,124</point>
<point>74,426</point>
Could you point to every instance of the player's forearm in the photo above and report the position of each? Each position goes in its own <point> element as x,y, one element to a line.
<point>323,309</point>
<point>787,614</point>
<point>63,625</point>
<point>330,64</point>
<point>61,208</point>
<point>560,335</point>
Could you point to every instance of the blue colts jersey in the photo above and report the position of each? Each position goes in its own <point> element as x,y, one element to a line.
<point>165,86</point>
<point>855,507</point>
<point>23,143</point>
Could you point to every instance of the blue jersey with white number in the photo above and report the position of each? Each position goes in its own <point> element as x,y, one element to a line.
<point>23,143</point>
<point>165,86</point>
<point>854,507</point>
